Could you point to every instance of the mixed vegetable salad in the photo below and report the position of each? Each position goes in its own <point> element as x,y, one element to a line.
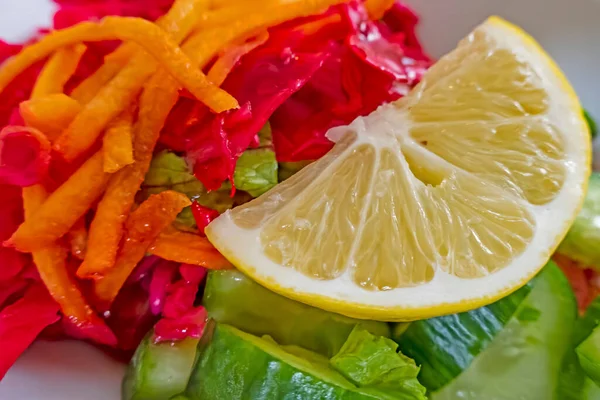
<point>132,124</point>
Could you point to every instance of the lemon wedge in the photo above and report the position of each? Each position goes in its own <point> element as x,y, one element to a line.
<point>446,200</point>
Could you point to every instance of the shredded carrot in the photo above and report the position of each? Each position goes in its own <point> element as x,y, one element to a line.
<point>118,142</point>
<point>50,114</point>
<point>57,71</point>
<point>182,14</point>
<point>144,33</point>
<point>142,227</point>
<point>119,93</point>
<point>188,248</point>
<point>231,56</point>
<point>376,8</point>
<point>157,100</point>
<point>63,207</point>
<point>78,239</point>
<point>113,63</point>
<point>51,264</point>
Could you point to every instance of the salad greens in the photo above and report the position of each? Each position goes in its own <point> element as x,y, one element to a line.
<point>234,299</point>
<point>373,362</point>
<point>236,365</point>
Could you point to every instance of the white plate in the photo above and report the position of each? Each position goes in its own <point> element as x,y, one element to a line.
<point>567,29</point>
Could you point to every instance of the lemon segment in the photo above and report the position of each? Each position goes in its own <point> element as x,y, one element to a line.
<point>443,201</point>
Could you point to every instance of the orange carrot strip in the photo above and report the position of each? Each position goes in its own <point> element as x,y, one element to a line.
<point>182,14</point>
<point>58,70</point>
<point>51,264</point>
<point>157,100</point>
<point>113,63</point>
<point>118,142</point>
<point>50,114</point>
<point>231,56</point>
<point>188,248</point>
<point>78,239</point>
<point>63,207</point>
<point>376,8</point>
<point>142,227</point>
<point>144,33</point>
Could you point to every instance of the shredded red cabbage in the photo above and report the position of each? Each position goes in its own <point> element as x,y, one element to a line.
<point>22,321</point>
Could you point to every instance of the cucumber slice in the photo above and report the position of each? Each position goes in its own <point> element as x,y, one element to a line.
<point>573,383</point>
<point>446,346</point>
<point>232,298</point>
<point>581,242</point>
<point>159,371</point>
<point>588,353</point>
<point>524,360</point>
<point>235,365</point>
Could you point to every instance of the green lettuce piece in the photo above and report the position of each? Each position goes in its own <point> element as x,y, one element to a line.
<point>168,171</point>
<point>256,171</point>
<point>591,123</point>
<point>581,242</point>
<point>372,362</point>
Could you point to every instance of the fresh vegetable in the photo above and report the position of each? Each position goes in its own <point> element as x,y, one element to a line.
<point>117,145</point>
<point>524,360</point>
<point>24,156</point>
<point>51,264</point>
<point>63,208</point>
<point>57,71</point>
<point>158,371</point>
<point>446,346</point>
<point>142,227</point>
<point>188,248</point>
<point>573,383</point>
<point>588,353</point>
<point>261,369</point>
<point>50,114</point>
<point>370,361</point>
<point>591,123</point>
<point>256,169</point>
<point>22,321</point>
<point>232,298</point>
<point>582,242</point>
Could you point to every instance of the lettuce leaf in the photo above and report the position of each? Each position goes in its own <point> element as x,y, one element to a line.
<point>256,171</point>
<point>591,123</point>
<point>372,362</point>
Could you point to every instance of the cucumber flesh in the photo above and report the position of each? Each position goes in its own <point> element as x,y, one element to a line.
<point>524,360</point>
<point>445,346</point>
<point>235,365</point>
<point>159,371</point>
<point>588,353</point>
<point>234,299</point>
